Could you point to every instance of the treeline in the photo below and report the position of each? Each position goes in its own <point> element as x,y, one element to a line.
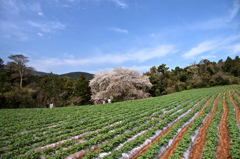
<point>198,75</point>
<point>21,88</point>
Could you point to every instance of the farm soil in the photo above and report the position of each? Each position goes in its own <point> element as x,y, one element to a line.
<point>196,150</point>
<point>237,108</point>
<point>157,139</point>
<point>147,147</point>
<point>224,142</point>
<point>171,149</point>
<point>237,95</point>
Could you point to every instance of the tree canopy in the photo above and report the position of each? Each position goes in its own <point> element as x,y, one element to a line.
<point>19,65</point>
<point>120,85</point>
<point>21,88</point>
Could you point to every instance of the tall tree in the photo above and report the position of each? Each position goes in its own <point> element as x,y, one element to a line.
<point>1,63</point>
<point>162,68</point>
<point>83,90</point>
<point>19,64</point>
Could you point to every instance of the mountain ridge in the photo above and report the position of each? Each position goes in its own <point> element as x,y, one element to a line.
<point>74,75</point>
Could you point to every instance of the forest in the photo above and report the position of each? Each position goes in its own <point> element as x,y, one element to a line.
<point>22,88</point>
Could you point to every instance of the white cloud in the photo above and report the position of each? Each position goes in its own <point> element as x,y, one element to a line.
<point>152,35</point>
<point>39,34</point>
<point>226,44</point>
<point>46,26</point>
<point>236,49</point>
<point>208,57</point>
<point>15,25</point>
<point>140,68</point>
<point>16,7</point>
<point>119,30</point>
<point>201,48</point>
<point>22,31</point>
<point>12,30</point>
<point>219,22</point>
<point>113,59</point>
<point>234,11</point>
<point>40,13</point>
<point>120,3</point>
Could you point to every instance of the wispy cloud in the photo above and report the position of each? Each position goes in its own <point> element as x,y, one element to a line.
<point>39,34</point>
<point>138,68</point>
<point>16,7</point>
<point>234,11</point>
<point>119,30</point>
<point>201,48</point>
<point>16,24</point>
<point>218,22</point>
<point>46,26</point>
<point>120,3</point>
<point>235,49</point>
<point>208,57</point>
<point>11,30</point>
<point>139,56</point>
<point>40,13</point>
<point>22,30</point>
<point>209,47</point>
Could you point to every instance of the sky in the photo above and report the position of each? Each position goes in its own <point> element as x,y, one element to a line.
<point>62,36</point>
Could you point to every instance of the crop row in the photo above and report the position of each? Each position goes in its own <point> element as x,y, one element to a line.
<point>21,142</point>
<point>114,130</point>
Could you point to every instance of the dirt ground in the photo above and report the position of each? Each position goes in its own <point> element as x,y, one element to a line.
<point>158,138</point>
<point>197,148</point>
<point>171,149</point>
<point>237,108</point>
<point>224,142</point>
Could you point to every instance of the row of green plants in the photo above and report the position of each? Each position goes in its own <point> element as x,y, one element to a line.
<point>233,129</point>
<point>155,148</point>
<point>129,124</point>
<point>212,137</point>
<point>45,135</point>
<point>186,140</point>
<point>107,127</point>
<point>166,120</point>
<point>117,154</point>
<point>49,137</point>
<point>22,140</point>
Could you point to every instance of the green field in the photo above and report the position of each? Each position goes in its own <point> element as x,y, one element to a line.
<point>119,130</point>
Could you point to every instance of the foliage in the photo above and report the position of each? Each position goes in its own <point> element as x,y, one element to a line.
<point>120,85</point>
<point>22,88</point>
<point>117,129</point>
<point>200,75</point>
<point>83,90</point>
<point>19,66</point>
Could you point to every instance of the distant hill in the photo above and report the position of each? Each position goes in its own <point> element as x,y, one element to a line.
<point>76,75</point>
<point>40,73</point>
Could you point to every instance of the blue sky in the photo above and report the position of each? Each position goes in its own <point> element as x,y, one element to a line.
<point>63,36</point>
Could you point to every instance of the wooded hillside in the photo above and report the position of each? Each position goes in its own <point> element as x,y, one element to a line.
<point>28,90</point>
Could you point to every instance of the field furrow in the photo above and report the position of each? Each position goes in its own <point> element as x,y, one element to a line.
<point>237,108</point>
<point>197,147</point>
<point>198,123</point>
<point>164,132</point>
<point>171,149</point>
<point>224,141</point>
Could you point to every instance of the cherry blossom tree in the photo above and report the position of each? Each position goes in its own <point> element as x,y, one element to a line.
<point>121,84</point>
